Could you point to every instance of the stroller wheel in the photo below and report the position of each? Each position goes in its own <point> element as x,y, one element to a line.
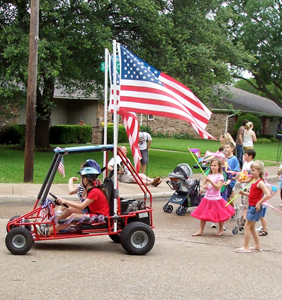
<point>168,208</point>
<point>235,230</point>
<point>181,211</point>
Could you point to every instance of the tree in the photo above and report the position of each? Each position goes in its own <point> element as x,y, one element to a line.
<point>181,38</point>
<point>257,24</point>
<point>73,35</point>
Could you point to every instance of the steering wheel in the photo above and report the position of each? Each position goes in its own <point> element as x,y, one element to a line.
<point>56,202</point>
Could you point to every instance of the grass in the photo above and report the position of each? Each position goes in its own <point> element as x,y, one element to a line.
<point>164,156</point>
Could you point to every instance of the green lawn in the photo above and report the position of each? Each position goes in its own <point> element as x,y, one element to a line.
<point>164,156</point>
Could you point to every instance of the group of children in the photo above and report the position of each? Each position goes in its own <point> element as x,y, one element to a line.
<point>217,205</point>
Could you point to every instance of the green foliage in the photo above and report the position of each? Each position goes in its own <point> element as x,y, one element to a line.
<point>145,129</point>
<point>182,136</point>
<point>256,25</point>
<point>68,134</point>
<point>267,136</point>
<point>273,140</point>
<point>263,141</point>
<point>14,134</point>
<point>122,136</point>
<point>160,135</point>
<point>255,120</point>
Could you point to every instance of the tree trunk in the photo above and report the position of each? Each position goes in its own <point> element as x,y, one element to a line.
<point>43,113</point>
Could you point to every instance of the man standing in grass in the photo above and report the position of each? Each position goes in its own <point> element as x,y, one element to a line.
<point>144,138</point>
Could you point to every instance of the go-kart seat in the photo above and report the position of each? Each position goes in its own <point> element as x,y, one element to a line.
<point>109,188</point>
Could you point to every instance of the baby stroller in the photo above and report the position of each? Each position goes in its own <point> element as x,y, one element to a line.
<point>186,190</point>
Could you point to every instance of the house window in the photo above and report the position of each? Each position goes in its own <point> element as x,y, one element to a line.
<point>151,117</point>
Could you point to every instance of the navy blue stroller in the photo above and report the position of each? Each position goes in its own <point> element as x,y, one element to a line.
<point>186,190</point>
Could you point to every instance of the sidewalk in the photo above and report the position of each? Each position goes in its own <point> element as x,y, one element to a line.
<point>29,191</point>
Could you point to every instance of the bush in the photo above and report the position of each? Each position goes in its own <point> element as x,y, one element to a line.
<point>267,136</point>
<point>14,134</point>
<point>70,134</point>
<point>122,136</point>
<point>255,120</point>
<point>263,141</point>
<point>145,129</point>
<point>182,136</point>
<point>273,140</point>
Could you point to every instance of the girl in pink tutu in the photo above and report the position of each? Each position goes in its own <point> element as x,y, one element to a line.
<point>212,207</point>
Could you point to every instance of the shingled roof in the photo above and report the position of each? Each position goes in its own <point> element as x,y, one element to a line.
<point>248,102</point>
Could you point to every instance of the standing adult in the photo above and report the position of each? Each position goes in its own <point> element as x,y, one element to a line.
<point>249,137</point>
<point>144,144</point>
<point>239,142</point>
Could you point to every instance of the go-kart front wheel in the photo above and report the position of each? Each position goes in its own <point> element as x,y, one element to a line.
<point>137,238</point>
<point>19,241</point>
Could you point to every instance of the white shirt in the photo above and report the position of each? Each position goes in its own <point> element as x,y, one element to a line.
<point>119,161</point>
<point>143,143</point>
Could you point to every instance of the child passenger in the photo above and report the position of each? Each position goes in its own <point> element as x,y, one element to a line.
<point>259,193</point>
<point>212,207</point>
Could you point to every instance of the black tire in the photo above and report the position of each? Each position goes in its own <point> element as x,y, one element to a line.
<point>19,241</point>
<point>115,238</point>
<point>28,227</point>
<point>137,238</point>
<point>181,211</point>
<point>169,208</point>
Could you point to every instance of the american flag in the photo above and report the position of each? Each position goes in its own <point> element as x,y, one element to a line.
<point>131,125</point>
<point>61,167</point>
<point>144,89</point>
<point>130,120</point>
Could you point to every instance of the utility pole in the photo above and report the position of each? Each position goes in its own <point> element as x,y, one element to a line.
<point>31,91</point>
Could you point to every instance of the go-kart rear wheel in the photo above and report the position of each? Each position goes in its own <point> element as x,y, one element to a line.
<point>19,241</point>
<point>137,238</point>
<point>28,227</point>
<point>115,237</point>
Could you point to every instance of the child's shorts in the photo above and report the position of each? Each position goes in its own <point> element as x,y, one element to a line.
<point>264,209</point>
<point>253,215</point>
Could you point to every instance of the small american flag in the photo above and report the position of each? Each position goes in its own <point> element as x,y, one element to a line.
<point>61,167</point>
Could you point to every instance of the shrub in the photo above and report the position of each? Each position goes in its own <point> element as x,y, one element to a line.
<point>263,141</point>
<point>14,134</point>
<point>69,134</point>
<point>273,140</point>
<point>182,136</point>
<point>122,136</point>
<point>145,129</point>
<point>255,120</point>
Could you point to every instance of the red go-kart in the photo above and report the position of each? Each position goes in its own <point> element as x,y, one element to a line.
<point>130,222</point>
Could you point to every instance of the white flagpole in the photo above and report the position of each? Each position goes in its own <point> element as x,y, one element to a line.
<point>115,127</point>
<point>105,107</point>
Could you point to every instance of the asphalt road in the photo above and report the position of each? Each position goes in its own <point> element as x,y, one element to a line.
<point>178,267</point>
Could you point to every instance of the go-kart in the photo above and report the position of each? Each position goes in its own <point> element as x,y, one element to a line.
<point>129,223</point>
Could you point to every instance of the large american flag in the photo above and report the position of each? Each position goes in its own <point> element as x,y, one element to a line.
<point>130,120</point>
<point>144,89</point>
<point>131,125</point>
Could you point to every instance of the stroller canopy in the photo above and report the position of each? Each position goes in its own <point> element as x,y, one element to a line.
<point>182,171</point>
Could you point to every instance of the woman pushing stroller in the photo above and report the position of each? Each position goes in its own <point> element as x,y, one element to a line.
<point>212,207</point>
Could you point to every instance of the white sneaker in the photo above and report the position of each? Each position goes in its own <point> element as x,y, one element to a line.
<point>259,228</point>
<point>224,228</point>
<point>280,204</point>
<point>213,225</point>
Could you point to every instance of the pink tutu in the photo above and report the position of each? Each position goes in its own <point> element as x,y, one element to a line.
<point>213,211</point>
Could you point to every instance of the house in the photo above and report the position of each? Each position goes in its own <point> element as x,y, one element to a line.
<point>75,109</point>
